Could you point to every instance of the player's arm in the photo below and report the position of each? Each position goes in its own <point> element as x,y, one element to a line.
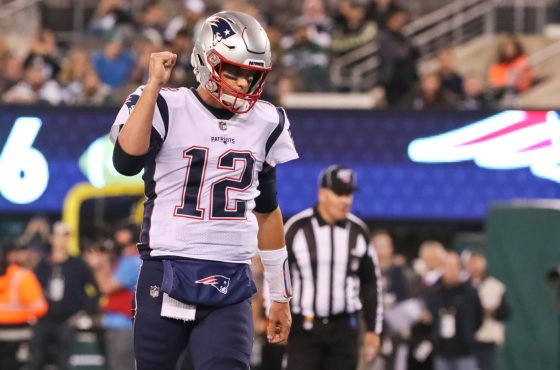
<point>274,256</point>
<point>134,138</point>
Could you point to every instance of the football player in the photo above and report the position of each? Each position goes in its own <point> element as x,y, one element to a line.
<point>209,156</point>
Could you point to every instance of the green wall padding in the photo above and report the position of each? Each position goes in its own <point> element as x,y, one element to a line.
<point>522,244</point>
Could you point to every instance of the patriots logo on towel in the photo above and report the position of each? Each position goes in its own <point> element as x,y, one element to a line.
<point>219,282</point>
<point>221,28</point>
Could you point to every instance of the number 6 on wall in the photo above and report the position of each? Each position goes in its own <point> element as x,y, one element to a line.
<point>220,209</point>
<point>24,172</point>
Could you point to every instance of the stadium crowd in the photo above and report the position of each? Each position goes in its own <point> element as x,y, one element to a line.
<point>92,292</point>
<point>342,46</point>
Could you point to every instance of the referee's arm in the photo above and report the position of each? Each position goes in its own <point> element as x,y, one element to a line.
<point>370,291</point>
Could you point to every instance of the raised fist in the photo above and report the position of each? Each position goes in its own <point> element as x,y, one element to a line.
<point>160,68</point>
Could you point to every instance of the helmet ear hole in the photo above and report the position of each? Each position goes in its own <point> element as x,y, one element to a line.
<point>199,59</point>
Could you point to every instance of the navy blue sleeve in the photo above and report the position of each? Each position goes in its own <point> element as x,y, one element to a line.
<point>267,201</point>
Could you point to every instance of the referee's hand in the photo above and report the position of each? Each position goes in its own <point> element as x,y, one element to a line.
<point>371,346</point>
<point>279,323</point>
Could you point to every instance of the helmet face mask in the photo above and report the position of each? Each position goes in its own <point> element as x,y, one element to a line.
<point>223,80</point>
<point>231,59</point>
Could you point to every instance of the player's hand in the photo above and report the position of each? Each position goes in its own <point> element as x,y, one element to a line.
<point>279,323</point>
<point>160,67</point>
<point>371,346</point>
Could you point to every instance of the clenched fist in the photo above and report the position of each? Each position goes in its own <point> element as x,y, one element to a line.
<point>160,68</point>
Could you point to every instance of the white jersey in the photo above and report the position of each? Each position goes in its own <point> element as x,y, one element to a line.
<point>201,175</point>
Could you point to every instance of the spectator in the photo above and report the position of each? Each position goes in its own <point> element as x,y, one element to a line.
<point>69,287</point>
<point>191,18</point>
<point>4,50</point>
<point>153,22</point>
<point>432,254</point>
<point>114,63</point>
<point>111,17</point>
<point>35,88</point>
<point>307,59</point>
<point>35,237</point>
<point>143,49</point>
<point>10,73</point>
<point>5,53</point>
<point>89,91</point>
<point>19,255</point>
<point>182,45</point>
<point>491,292</point>
<point>287,84</point>
<point>512,72</point>
<point>475,97</point>
<point>430,94</point>
<point>116,274</point>
<point>379,11</point>
<point>429,268</point>
<point>271,90</point>
<point>44,53</point>
<point>398,59</point>
<point>456,315</point>
<point>21,303</point>
<point>450,79</point>
<point>74,67</point>
<point>36,232</point>
<point>354,43</point>
<point>245,7</point>
<point>319,24</point>
<point>410,276</point>
<point>394,291</point>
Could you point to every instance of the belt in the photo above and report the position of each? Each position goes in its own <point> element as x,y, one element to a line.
<point>325,319</point>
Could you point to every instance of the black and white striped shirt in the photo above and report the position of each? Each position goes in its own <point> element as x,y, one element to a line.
<point>334,271</point>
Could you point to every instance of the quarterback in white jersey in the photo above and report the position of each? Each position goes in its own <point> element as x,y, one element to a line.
<point>202,182</point>
<point>209,157</point>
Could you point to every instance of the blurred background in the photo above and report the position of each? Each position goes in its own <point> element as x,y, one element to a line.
<point>446,109</point>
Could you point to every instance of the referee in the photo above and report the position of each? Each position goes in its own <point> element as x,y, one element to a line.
<point>335,275</point>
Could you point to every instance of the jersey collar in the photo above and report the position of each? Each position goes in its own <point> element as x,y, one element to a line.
<point>219,113</point>
<point>322,222</point>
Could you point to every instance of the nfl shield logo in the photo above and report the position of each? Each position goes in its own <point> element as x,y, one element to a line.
<point>345,176</point>
<point>154,291</point>
<point>222,125</point>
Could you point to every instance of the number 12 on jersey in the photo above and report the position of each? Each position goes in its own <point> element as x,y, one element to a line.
<point>220,209</point>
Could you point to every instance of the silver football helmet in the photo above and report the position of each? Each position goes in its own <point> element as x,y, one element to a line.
<point>232,40</point>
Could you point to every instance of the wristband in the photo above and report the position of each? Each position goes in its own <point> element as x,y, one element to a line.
<point>277,274</point>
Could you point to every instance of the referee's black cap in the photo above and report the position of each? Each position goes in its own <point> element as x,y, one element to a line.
<point>341,180</point>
